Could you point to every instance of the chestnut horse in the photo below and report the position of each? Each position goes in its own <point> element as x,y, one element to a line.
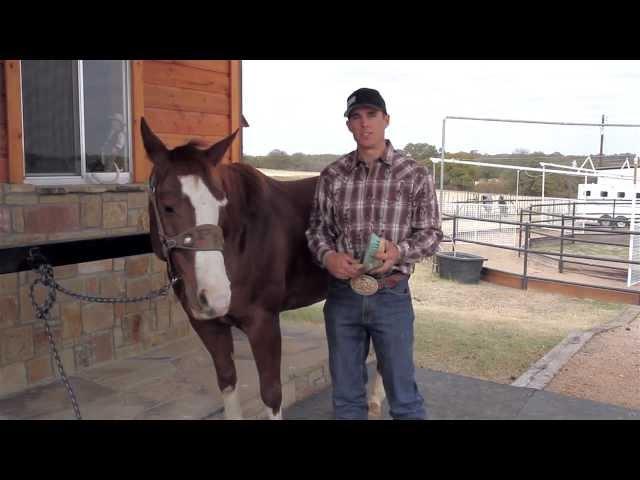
<point>235,246</point>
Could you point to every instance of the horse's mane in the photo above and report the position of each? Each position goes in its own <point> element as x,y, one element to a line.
<point>244,185</point>
<point>190,150</point>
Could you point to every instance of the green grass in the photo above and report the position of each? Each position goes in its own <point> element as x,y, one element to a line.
<point>310,314</point>
<point>484,330</point>
<point>455,344</point>
<point>593,250</point>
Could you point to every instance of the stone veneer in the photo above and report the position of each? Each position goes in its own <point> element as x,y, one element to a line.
<point>86,333</point>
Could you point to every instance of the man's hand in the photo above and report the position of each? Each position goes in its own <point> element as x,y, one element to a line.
<point>390,256</point>
<point>342,265</point>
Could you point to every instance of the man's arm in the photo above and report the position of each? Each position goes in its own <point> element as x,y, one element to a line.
<point>425,224</point>
<point>320,234</point>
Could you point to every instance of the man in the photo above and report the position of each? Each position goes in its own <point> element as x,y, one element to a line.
<point>112,152</point>
<point>372,190</point>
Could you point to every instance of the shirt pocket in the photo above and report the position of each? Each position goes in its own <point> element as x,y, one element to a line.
<point>341,208</point>
<point>398,206</point>
<point>400,193</point>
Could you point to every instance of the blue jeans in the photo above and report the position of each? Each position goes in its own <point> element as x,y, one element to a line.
<point>352,321</point>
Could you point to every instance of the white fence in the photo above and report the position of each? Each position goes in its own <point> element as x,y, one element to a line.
<point>487,216</point>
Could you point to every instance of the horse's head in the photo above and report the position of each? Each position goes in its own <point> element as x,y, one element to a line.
<point>184,211</point>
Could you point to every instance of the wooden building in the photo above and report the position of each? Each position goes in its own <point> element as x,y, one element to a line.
<point>72,166</point>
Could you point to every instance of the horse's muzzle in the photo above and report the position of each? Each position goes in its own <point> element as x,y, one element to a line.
<point>211,307</point>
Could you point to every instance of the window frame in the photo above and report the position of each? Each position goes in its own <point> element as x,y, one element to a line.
<point>12,169</point>
<point>87,178</point>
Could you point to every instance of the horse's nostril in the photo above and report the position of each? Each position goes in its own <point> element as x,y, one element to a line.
<point>202,298</point>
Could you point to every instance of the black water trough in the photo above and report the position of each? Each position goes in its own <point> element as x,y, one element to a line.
<point>459,266</point>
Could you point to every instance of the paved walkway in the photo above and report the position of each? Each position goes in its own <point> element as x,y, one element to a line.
<point>455,397</point>
<point>177,381</point>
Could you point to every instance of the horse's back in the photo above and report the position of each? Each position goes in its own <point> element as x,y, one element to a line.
<point>287,206</point>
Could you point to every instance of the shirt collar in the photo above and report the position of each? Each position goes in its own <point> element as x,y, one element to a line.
<point>386,157</point>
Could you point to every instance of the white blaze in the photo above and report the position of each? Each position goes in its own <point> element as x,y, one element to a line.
<point>211,275</point>
<point>232,410</point>
<point>271,416</point>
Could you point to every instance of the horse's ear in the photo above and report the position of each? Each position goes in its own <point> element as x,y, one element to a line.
<point>153,145</point>
<point>215,153</point>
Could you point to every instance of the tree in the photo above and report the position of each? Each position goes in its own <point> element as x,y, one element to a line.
<point>277,153</point>
<point>421,152</point>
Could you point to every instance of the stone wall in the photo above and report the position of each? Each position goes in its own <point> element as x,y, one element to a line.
<point>86,333</point>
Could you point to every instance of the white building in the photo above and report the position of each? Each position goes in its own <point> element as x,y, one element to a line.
<point>610,197</point>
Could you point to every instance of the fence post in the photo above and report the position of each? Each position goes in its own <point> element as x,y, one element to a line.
<point>520,234</point>
<point>526,255</point>
<point>560,265</point>
<point>613,215</point>
<point>573,224</point>
<point>455,228</point>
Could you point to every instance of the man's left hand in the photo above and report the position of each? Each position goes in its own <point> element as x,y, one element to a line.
<point>390,256</point>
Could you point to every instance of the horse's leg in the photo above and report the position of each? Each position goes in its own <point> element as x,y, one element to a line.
<point>376,393</point>
<point>218,340</point>
<point>266,343</point>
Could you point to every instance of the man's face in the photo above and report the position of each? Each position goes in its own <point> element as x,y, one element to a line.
<point>367,126</point>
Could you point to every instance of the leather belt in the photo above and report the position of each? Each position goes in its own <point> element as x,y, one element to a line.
<point>368,285</point>
<point>392,280</point>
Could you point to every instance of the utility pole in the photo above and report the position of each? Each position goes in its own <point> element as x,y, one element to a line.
<point>601,139</point>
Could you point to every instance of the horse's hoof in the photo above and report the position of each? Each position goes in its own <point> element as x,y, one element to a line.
<point>375,409</point>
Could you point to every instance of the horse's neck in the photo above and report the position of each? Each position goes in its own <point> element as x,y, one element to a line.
<point>252,193</point>
<point>244,189</point>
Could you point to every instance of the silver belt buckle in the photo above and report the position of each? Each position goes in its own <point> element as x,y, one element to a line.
<point>364,285</point>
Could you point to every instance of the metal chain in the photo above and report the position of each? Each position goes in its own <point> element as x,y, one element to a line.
<point>87,298</point>
<point>42,311</point>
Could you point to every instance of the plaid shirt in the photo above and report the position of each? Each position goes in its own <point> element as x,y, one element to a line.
<point>396,200</point>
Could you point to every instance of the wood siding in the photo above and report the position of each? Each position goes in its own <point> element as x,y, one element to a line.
<point>13,101</point>
<point>187,100</point>
<point>4,150</point>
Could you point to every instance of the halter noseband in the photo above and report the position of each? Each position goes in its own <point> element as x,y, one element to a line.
<point>206,237</point>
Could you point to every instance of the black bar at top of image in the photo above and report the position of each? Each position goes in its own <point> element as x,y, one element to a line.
<point>16,259</point>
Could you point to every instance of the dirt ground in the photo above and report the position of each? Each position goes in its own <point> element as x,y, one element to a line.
<point>606,369</point>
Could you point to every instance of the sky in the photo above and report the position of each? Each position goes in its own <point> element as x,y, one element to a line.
<point>298,106</point>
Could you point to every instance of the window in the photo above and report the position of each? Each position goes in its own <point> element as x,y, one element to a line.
<point>587,193</point>
<point>637,195</point>
<point>75,116</point>
<point>620,194</point>
<point>604,194</point>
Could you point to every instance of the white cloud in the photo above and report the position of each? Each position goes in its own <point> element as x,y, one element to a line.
<point>297,106</point>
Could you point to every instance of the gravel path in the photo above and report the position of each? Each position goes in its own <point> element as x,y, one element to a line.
<point>606,369</point>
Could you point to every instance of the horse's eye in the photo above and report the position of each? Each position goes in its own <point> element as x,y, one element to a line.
<point>168,209</point>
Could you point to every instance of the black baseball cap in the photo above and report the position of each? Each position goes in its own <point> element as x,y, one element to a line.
<point>365,97</point>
